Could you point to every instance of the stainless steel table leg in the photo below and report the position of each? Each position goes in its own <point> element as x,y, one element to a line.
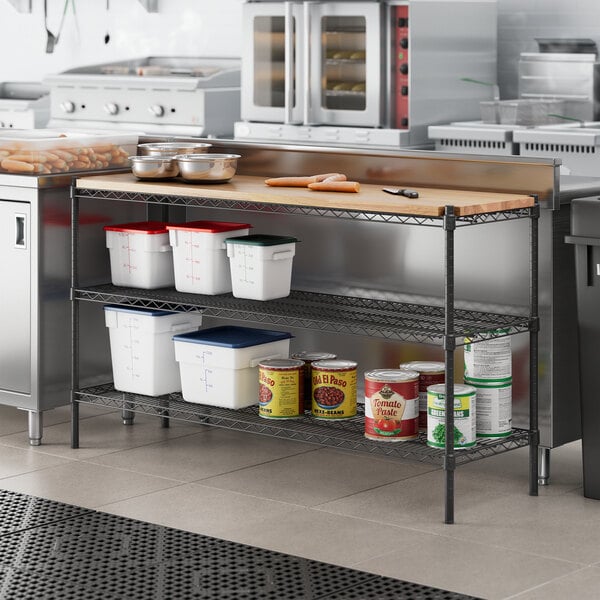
<point>544,467</point>
<point>127,416</point>
<point>36,427</point>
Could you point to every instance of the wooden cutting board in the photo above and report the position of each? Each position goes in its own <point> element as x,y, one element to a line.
<point>431,201</point>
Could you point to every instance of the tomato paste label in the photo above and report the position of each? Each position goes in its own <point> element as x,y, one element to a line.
<point>391,407</point>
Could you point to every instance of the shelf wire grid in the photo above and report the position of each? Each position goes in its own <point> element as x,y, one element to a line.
<point>331,312</point>
<point>347,434</point>
<point>264,207</point>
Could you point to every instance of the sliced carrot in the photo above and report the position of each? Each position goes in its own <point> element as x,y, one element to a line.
<point>335,186</point>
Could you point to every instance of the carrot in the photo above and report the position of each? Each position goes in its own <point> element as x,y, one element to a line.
<point>291,181</point>
<point>335,186</point>
<point>330,177</point>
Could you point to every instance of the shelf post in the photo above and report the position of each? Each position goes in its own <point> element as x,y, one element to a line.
<point>74,318</point>
<point>534,433</point>
<point>449,347</point>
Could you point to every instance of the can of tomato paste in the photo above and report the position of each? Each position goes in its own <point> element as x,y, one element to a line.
<point>333,389</point>
<point>280,388</point>
<point>430,373</point>
<point>309,358</point>
<point>391,405</point>
<point>465,424</point>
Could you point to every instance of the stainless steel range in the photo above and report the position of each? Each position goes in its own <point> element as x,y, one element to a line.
<point>24,105</point>
<point>186,96</point>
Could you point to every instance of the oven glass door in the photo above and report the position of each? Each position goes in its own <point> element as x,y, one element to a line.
<point>346,63</point>
<point>272,66</point>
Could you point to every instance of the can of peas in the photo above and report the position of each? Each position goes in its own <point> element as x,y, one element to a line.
<point>333,389</point>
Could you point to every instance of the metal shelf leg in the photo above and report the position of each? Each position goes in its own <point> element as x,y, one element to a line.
<point>35,422</point>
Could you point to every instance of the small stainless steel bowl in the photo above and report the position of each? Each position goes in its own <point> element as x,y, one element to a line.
<point>208,168</point>
<point>173,148</point>
<point>154,167</point>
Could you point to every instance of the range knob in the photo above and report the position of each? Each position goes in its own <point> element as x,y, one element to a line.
<point>157,110</point>
<point>404,69</point>
<point>404,43</point>
<point>2,125</point>
<point>67,106</point>
<point>111,108</point>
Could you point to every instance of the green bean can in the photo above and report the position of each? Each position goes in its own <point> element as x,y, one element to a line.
<point>465,424</point>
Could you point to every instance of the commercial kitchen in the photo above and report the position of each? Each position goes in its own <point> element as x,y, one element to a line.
<point>299,299</point>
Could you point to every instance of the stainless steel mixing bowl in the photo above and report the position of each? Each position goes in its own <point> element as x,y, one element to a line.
<point>173,148</point>
<point>207,168</point>
<point>154,167</point>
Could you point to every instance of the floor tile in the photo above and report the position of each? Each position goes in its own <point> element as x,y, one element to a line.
<point>581,585</point>
<point>15,461</point>
<point>102,434</point>
<point>201,509</point>
<point>477,569</point>
<point>85,484</point>
<point>314,477</point>
<point>211,452</point>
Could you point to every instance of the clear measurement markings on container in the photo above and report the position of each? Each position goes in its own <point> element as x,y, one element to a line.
<point>130,251</point>
<point>193,254</point>
<point>203,371</point>
<point>248,265</point>
<point>132,348</point>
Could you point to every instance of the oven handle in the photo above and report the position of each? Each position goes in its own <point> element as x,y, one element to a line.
<point>306,112</point>
<point>289,62</point>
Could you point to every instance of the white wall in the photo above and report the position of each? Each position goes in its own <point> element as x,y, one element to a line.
<point>181,27</point>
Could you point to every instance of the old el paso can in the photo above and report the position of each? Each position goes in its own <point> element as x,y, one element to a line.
<point>309,358</point>
<point>280,388</point>
<point>334,389</point>
<point>391,405</point>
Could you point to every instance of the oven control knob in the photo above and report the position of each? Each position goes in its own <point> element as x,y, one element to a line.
<point>111,108</point>
<point>67,106</point>
<point>2,124</point>
<point>157,110</point>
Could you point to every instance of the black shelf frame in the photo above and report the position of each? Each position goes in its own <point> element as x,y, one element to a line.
<point>442,325</point>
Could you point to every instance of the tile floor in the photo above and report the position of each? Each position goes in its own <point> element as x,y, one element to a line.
<point>370,513</point>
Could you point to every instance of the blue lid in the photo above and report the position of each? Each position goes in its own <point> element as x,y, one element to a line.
<point>138,310</point>
<point>230,336</point>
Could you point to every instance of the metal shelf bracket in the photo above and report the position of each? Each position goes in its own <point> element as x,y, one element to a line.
<point>22,6</point>
<point>151,6</point>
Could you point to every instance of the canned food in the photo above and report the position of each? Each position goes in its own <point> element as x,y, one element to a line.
<point>309,358</point>
<point>489,359</point>
<point>280,388</point>
<point>430,373</point>
<point>464,434</point>
<point>334,389</point>
<point>391,405</point>
<point>494,408</point>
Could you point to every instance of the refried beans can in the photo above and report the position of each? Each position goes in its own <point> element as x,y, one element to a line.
<point>309,358</point>
<point>391,405</point>
<point>333,389</point>
<point>280,388</point>
<point>430,373</point>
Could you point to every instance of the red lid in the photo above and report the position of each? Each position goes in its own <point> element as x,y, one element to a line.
<point>148,227</point>
<point>209,226</point>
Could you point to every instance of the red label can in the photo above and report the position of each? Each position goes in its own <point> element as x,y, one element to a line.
<point>391,405</point>
<point>430,373</point>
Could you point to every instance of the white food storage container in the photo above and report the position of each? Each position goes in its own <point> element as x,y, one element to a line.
<point>141,348</point>
<point>200,255</point>
<point>140,255</point>
<point>219,366</point>
<point>261,265</point>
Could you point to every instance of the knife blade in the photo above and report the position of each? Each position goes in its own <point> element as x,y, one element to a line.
<point>402,192</point>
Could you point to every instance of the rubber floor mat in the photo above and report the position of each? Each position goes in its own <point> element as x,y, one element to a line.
<point>79,554</point>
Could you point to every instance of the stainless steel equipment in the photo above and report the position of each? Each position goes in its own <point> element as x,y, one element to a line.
<point>363,73</point>
<point>185,96</point>
<point>35,309</point>
<point>567,69</point>
<point>474,137</point>
<point>24,105</point>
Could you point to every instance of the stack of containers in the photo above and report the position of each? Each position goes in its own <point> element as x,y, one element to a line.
<point>488,368</point>
<point>200,255</point>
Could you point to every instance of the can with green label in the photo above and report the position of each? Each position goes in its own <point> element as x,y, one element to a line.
<point>465,433</point>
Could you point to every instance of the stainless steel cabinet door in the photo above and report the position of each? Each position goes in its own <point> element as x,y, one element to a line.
<point>15,298</point>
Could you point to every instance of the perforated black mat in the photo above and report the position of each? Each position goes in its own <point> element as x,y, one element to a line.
<point>54,551</point>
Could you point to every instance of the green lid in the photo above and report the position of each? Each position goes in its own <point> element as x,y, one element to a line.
<point>262,239</point>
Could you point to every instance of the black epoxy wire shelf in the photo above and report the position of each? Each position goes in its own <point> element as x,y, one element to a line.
<point>347,434</point>
<point>70,553</point>
<point>308,310</point>
<point>293,209</point>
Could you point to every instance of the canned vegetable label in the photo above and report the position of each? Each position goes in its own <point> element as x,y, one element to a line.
<point>391,405</point>
<point>334,389</point>
<point>280,389</point>
<point>494,408</point>
<point>464,416</point>
<point>489,359</point>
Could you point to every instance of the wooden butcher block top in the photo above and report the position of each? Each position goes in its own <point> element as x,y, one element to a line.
<point>371,198</point>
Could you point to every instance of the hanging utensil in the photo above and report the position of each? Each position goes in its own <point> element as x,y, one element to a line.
<point>107,35</point>
<point>50,37</point>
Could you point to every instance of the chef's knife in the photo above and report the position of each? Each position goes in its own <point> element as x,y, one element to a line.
<point>402,192</point>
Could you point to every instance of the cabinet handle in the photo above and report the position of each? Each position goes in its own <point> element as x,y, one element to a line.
<point>20,231</point>
<point>288,36</point>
